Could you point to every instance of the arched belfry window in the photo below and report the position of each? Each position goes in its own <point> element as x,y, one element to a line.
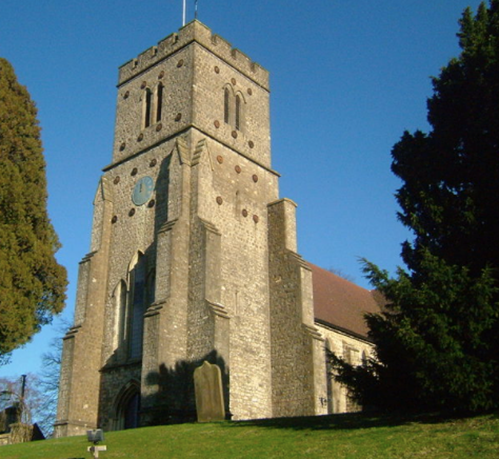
<point>233,108</point>
<point>226,105</point>
<point>147,107</point>
<point>238,112</point>
<point>159,101</point>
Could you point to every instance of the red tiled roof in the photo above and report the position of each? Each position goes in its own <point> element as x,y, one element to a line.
<point>340,303</point>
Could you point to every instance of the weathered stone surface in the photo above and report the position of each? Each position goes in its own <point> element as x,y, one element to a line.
<point>206,268</point>
<point>209,394</point>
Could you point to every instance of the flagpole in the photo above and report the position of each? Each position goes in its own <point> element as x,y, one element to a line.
<point>183,15</point>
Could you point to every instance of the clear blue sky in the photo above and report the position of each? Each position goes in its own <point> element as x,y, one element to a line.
<point>347,78</point>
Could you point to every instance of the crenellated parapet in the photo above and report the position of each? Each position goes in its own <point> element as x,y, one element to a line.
<point>197,32</point>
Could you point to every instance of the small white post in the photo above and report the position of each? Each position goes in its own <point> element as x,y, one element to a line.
<point>183,15</point>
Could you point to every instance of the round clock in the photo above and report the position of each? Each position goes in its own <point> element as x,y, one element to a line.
<point>142,190</point>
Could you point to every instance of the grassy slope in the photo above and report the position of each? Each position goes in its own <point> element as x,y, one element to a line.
<point>332,437</point>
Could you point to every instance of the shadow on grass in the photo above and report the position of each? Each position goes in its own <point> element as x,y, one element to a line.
<point>351,421</point>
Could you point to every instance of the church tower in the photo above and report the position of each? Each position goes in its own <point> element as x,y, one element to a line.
<point>193,254</point>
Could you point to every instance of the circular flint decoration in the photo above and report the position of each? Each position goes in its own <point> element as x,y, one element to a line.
<point>151,203</point>
<point>233,81</point>
<point>219,200</point>
<point>159,127</point>
<point>143,190</point>
<point>217,124</point>
<point>220,159</point>
<point>122,146</point>
<point>140,137</point>
<point>255,178</point>
<point>217,70</point>
<point>161,75</point>
<point>251,144</point>
<point>114,219</point>
<point>255,218</point>
<point>244,212</point>
<point>153,162</point>
<point>131,213</point>
<point>238,169</point>
<point>178,117</point>
<point>143,85</point>
<point>250,92</point>
<point>125,96</point>
<point>180,63</point>
<point>134,171</point>
<point>234,134</point>
<point>116,180</point>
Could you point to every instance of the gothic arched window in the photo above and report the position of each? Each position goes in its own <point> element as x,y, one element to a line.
<point>120,303</point>
<point>136,306</point>
<point>131,300</point>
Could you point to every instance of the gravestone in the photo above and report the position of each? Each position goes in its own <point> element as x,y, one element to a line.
<point>209,394</point>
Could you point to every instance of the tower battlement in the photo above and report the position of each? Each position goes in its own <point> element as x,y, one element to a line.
<point>197,32</point>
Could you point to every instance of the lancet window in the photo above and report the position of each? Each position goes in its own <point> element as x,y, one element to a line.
<point>147,107</point>
<point>226,105</point>
<point>234,104</point>
<point>152,108</point>
<point>159,102</point>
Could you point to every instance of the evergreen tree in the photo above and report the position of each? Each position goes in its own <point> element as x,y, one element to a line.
<point>437,341</point>
<point>32,283</point>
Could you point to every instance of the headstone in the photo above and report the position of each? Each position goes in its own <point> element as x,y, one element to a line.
<point>209,394</point>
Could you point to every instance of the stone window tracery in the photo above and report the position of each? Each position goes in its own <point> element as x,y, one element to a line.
<point>131,300</point>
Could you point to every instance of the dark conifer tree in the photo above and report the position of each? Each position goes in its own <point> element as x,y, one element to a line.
<point>437,342</point>
<point>32,283</point>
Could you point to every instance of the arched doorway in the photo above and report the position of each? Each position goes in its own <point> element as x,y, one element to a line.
<point>128,407</point>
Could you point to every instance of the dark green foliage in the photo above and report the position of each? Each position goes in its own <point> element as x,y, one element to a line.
<point>437,342</point>
<point>32,283</point>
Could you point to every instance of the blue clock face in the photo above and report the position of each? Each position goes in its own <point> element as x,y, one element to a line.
<point>143,190</point>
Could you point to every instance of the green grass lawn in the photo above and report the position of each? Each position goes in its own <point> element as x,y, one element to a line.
<point>334,437</point>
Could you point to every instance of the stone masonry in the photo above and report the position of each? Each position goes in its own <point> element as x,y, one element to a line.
<point>193,254</point>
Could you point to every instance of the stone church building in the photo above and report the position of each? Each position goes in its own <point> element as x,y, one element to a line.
<point>194,257</point>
